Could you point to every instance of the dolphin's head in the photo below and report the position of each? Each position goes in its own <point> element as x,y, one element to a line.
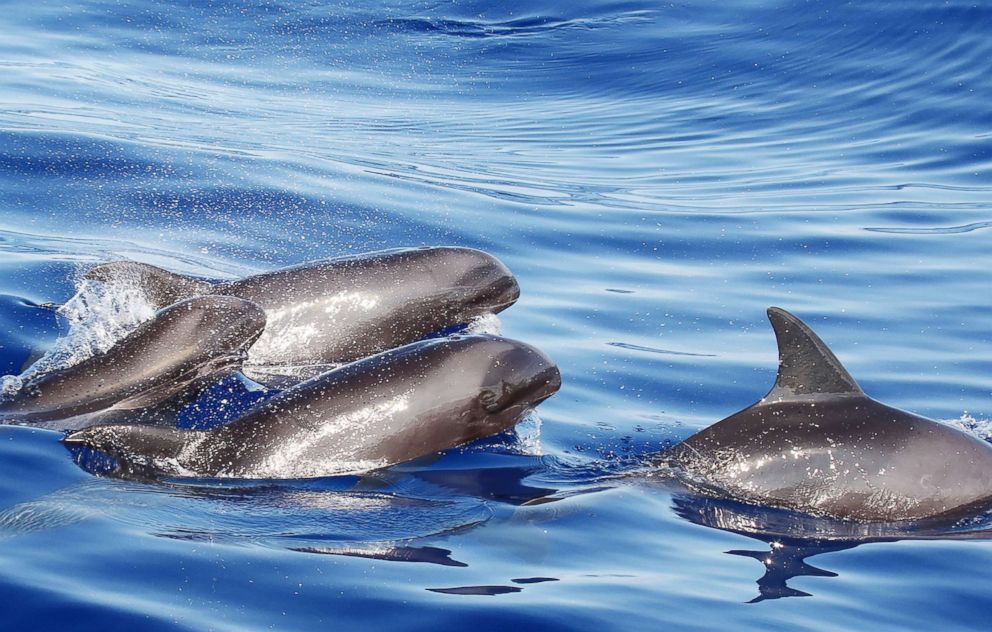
<point>480,283</point>
<point>505,379</point>
<point>492,286</point>
<point>210,324</point>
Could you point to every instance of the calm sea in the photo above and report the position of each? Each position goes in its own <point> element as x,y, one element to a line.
<point>656,175</point>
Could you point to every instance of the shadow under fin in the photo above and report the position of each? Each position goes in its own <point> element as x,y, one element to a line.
<point>805,365</point>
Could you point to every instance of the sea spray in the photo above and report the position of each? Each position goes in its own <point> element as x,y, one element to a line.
<point>98,315</point>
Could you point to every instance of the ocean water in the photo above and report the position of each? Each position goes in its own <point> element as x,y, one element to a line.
<point>656,175</point>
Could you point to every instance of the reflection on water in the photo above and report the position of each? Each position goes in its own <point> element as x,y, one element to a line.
<point>422,554</point>
<point>392,515</point>
<point>793,537</point>
<point>477,590</point>
<point>786,560</point>
<point>504,485</point>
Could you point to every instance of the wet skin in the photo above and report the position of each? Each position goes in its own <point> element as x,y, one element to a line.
<point>348,308</point>
<point>396,406</point>
<point>817,443</point>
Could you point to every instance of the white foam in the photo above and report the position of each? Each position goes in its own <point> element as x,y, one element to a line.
<point>981,428</point>
<point>485,324</point>
<point>9,385</point>
<point>528,432</point>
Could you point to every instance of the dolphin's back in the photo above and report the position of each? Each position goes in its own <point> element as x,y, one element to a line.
<point>850,457</point>
<point>817,443</point>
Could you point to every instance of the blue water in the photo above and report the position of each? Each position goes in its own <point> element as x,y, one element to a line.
<point>655,175</point>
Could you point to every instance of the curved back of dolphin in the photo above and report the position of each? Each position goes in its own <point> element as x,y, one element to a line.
<point>351,307</point>
<point>817,443</point>
<point>186,342</point>
<point>412,401</point>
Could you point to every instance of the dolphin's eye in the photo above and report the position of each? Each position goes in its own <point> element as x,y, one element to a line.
<point>490,400</point>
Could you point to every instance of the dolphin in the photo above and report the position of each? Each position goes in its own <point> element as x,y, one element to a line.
<point>339,310</point>
<point>816,443</point>
<point>408,402</point>
<point>192,342</point>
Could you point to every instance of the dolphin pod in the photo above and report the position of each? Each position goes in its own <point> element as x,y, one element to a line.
<point>395,406</point>
<point>347,308</point>
<point>400,399</point>
<point>818,444</point>
<point>815,443</point>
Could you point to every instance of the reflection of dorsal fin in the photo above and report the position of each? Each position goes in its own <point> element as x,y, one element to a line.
<point>805,365</point>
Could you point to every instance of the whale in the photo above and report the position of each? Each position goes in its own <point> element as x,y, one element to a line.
<point>338,310</point>
<point>189,344</point>
<point>817,443</point>
<point>395,406</point>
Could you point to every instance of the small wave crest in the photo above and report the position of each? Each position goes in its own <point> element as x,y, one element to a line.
<point>937,230</point>
<point>532,26</point>
<point>981,428</point>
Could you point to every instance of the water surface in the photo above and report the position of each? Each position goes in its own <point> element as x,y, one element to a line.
<point>655,175</point>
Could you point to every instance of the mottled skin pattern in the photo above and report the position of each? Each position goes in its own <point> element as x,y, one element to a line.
<point>352,307</point>
<point>405,403</point>
<point>817,443</point>
<point>197,339</point>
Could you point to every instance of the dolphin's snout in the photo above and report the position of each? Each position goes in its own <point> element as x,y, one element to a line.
<point>537,376</point>
<point>488,285</point>
<point>552,383</point>
<point>506,291</point>
<point>545,382</point>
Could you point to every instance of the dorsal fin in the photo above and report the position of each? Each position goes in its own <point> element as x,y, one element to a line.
<point>161,286</point>
<point>805,365</point>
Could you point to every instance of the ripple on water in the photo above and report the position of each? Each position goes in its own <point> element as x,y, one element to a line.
<point>656,176</point>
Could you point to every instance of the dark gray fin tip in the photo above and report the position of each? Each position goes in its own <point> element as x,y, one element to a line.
<point>805,365</point>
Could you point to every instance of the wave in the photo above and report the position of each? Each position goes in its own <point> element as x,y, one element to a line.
<point>947,230</point>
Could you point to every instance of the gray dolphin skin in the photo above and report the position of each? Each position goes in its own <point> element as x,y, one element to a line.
<point>818,444</point>
<point>392,407</point>
<point>193,341</point>
<point>348,308</point>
